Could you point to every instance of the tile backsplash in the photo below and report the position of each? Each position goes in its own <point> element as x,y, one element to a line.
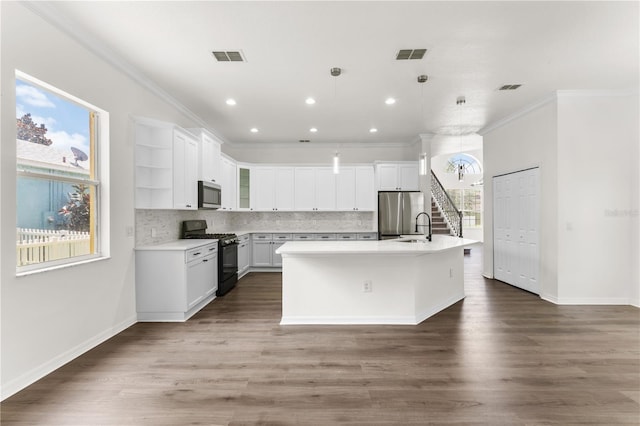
<point>166,223</point>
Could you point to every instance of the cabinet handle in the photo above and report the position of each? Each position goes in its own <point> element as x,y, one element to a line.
<point>188,205</point>
<point>205,260</point>
<point>212,248</point>
<point>195,254</point>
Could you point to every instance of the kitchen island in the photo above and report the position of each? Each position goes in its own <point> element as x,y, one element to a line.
<point>403,281</point>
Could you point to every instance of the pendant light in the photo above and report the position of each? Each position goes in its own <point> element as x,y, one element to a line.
<point>423,156</point>
<point>460,101</point>
<point>335,72</point>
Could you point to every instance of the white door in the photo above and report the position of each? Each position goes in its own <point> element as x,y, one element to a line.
<point>346,189</point>
<point>387,177</point>
<point>365,189</point>
<point>263,183</point>
<point>325,189</point>
<point>305,191</point>
<point>515,229</point>
<point>408,177</point>
<point>284,188</point>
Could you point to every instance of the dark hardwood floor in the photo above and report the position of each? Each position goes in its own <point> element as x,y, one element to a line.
<point>500,356</point>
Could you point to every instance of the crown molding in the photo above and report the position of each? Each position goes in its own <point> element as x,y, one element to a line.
<point>98,48</point>
<point>519,113</point>
<point>558,94</point>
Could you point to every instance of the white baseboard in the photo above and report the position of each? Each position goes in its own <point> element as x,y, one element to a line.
<point>365,320</point>
<point>39,372</point>
<point>421,316</point>
<point>587,300</point>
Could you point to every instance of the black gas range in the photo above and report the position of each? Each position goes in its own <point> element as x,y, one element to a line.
<point>227,252</point>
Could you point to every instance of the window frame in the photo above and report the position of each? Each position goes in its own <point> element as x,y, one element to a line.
<point>97,181</point>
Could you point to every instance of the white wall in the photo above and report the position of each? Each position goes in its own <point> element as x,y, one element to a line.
<point>597,180</point>
<point>586,145</point>
<point>51,317</point>
<point>527,141</point>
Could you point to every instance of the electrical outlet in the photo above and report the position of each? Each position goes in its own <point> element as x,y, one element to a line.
<point>367,286</point>
<point>450,272</point>
<point>154,233</point>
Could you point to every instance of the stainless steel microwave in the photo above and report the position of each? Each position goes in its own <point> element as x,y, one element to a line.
<point>209,195</point>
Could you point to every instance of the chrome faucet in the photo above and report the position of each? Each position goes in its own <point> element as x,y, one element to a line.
<point>429,217</point>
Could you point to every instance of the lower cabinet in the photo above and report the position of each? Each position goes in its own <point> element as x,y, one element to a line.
<point>174,281</point>
<point>264,248</point>
<point>244,253</point>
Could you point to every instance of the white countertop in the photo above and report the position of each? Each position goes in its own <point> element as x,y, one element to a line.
<point>439,243</point>
<point>178,245</point>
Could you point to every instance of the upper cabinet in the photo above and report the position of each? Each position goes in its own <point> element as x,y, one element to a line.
<point>164,157</point>
<point>228,184</point>
<point>245,198</point>
<point>315,189</point>
<point>210,160</point>
<point>355,189</point>
<point>185,175</point>
<point>272,188</point>
<point>400,176</point>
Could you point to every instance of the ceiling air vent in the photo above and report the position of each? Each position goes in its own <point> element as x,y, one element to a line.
<point>228,56</point>
<point>410,54</point>
<point>510,87</point>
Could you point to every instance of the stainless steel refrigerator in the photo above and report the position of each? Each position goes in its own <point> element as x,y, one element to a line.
<point>397,213</point>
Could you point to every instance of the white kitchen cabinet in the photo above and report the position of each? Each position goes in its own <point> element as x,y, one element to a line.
<point>355,189</point>
<point>244,253</point>
<point>264,248</point>
<point>162,178</point>
<point>315,189</point>
<point>245,200</point>
<point>273,188</point>
<point>185,172</point>
<point>175,280</point>
<point>515,229</point>
<point>209,161</point>
<point>229,184</point>
<point>400,176</point>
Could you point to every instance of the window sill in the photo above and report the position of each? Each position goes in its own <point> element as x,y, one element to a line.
<point>24,273</point>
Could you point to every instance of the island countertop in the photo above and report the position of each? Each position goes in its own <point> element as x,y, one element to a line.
<point>439,243</point>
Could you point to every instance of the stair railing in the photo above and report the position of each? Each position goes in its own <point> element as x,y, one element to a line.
<point>452,215</point>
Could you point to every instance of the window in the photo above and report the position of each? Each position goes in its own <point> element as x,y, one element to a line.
<point>58,187</point>
<point>470,164</point>
<point>469,201</point>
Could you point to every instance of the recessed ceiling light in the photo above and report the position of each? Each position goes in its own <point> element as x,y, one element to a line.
<point>373,130</point>
<point>254,130</point>
<point>231,101</point>
<point>313,130</point>
<point>310,101</point>
<point>390,101</point>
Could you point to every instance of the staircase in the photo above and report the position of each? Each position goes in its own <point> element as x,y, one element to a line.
<point>438,224</point>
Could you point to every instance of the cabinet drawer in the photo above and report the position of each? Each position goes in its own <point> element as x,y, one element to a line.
<point>282,237</point>
<point>200,252</point>
<point>368,236</point>
<point>325,237</point>
<point>262,237</point>
<point>243,238</point>
<point>304,237</point>
<point>346,237</point>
